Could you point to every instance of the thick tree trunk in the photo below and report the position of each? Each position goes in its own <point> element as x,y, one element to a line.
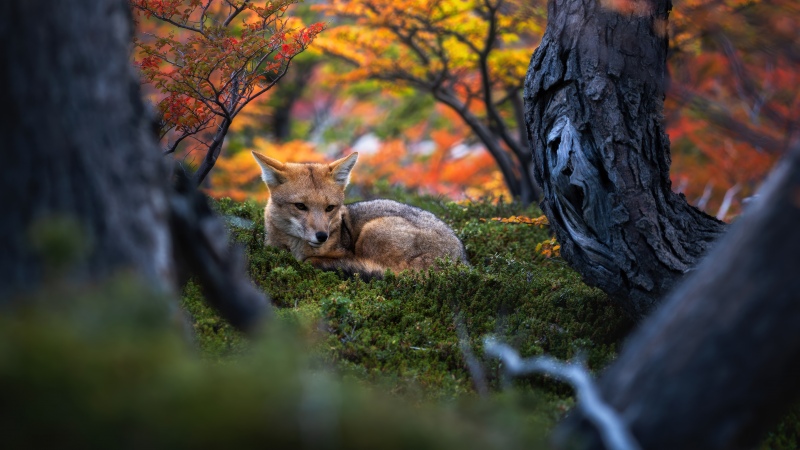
<point>77,143</point>
<point>79,149</point>
<point>718,363</point>
<point>593,107</point>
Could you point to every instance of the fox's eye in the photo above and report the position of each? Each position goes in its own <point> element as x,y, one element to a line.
<point>330,208</point>
<point>301,206</point>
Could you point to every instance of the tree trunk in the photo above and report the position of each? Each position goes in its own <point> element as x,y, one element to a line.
<point>78,144</point>
<point>213,152</point>
<point>593,107</point>
<point>81,162</point>
<point>292,87</point>
<point>516,170</point>
<point>718,363</point>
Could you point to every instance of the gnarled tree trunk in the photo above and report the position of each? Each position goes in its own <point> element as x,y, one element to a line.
<point>593,107</point>
<point>717,364</point>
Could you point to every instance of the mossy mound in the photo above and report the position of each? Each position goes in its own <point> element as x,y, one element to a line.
<point>402,331</point>
<point>347,363</point>
<point>108,367</point>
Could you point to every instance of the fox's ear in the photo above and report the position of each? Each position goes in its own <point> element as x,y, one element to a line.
<point>271,170</point>
<point>340,169</point>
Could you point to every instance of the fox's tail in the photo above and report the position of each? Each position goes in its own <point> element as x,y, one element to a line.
<point>365,268</point>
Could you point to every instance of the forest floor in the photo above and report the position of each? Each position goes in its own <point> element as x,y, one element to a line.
<point>343,363</point>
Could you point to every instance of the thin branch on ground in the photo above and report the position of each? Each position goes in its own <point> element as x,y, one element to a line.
<point>609,424</point>
<point>473,365</point>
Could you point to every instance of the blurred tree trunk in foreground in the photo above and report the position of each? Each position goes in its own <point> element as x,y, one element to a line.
<point>593,106</point>
<point>85,190</point>
<point>78,144</point>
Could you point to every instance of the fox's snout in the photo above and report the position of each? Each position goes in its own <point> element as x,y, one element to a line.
<point>317,227</point>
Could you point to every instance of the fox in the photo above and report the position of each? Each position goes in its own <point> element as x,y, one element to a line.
<point>307,216</point>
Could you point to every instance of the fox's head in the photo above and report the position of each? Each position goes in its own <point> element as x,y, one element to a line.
<point>306,199</point>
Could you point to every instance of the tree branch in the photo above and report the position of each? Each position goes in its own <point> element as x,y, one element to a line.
<point>212,153</point>
<point>605,419</point>
<point>235,13</point>
<point>169,20</point>
<point>202,250</point>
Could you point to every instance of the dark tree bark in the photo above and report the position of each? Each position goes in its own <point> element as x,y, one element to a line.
<point>593,107</point>
<point>291,89</point>
<point>718,363</point>
<point>80,146</point>
<point>77,142</point>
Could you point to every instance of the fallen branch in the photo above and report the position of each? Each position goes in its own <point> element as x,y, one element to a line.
<point>609,424</point>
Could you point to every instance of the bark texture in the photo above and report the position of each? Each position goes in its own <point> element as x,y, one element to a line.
<point>80,149</point>
<point>718,363</point>
<point>77,143</point>
<point>593,108</point>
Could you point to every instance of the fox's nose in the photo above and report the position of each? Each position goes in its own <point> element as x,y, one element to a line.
<point>321,236</point>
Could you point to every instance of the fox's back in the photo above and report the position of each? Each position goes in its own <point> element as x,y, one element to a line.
<point>363,212</point>
<point>401,225</point>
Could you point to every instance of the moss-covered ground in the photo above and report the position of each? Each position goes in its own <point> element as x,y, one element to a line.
<point>344,364</point>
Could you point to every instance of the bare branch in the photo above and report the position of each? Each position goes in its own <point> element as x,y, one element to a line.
<point>727,200</point>
<point>235,13</point>
<point>718,116</point>
<point>702,202</point>
<point>473,365</point>
<point>169,20</point>
<point>610,425</point>
<point>212,153</point>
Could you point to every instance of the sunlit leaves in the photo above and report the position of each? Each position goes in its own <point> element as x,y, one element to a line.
<point>210,59</point>
<point>425,42</point>
<point>540,221</point>
<point>239,176</point>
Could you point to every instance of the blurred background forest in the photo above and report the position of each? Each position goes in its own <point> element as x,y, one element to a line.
<point>429,92</point>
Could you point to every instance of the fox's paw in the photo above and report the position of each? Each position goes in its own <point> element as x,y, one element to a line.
<point>348,268</point>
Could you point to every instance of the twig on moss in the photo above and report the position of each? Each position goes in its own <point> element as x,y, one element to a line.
<point>473,365</point>
<point>612,429</point>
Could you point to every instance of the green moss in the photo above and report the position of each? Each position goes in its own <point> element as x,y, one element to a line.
<point>106,367</point>
<point>346,363</point>
<point>400,332</point>
<point>786,435</point>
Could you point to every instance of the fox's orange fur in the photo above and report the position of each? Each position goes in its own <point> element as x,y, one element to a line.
<point>306,215</point>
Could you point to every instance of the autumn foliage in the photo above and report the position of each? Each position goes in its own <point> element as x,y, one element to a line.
<point>731,108</point>
<point>733,103</point>
<point>469,55</point>
<point>209,60</point>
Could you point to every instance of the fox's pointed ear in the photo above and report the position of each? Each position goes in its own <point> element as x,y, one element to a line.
<point>340,169</point>
<point>271,170</point>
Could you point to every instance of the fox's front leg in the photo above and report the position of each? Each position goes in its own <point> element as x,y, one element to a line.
<point>365,268</point>
<point>321,262</point>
